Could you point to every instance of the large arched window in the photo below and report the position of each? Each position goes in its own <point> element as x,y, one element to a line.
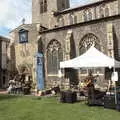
<point>54,56</point>
<point>86,42</point>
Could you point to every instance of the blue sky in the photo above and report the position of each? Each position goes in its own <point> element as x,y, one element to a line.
<point>11,13</point>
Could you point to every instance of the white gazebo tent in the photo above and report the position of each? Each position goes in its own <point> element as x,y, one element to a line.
<point>91,58</point>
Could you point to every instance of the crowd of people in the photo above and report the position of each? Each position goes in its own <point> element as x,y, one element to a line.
<point>19,87</point>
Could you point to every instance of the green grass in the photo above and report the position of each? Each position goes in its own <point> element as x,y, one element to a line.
<point>32,108</point>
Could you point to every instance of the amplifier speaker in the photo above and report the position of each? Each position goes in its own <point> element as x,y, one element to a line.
<point>68,97</point>
<point>109,102</point>
<point>118,98</point>
<point>118,102</point>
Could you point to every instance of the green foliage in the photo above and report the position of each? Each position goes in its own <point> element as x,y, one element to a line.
<point>49,108</point>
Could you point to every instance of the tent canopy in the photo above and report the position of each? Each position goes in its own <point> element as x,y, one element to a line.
<point>91,58</point>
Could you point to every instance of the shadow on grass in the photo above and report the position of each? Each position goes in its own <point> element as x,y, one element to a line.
<point>7,97</point>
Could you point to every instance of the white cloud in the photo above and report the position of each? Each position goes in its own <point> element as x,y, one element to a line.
<point>13,11</point>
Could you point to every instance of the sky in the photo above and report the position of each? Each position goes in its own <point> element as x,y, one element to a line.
<point>13,11</point>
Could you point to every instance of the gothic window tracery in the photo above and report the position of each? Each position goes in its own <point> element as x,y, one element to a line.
<point>54,56</point>
<point>87,41</point>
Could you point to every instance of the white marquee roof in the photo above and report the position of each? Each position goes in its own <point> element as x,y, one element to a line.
<point>92,58</point>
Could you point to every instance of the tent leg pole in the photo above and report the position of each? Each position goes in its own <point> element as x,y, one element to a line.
<point>115,89</point>
<point>115,94</point>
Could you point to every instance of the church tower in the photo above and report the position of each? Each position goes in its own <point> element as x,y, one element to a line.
<point>42,9</point>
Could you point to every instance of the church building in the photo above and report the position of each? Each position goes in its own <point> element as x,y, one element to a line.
<point>60,33</point>
<point>4,67</point>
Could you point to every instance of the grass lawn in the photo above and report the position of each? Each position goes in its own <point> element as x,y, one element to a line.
<point>32,108</point>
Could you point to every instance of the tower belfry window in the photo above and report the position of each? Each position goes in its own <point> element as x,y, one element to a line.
<point>43,6</point>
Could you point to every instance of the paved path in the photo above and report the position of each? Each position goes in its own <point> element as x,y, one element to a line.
<point>3,91</point>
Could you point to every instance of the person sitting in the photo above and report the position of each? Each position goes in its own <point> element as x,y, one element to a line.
<point>9,90</point>
<point>11,86</point>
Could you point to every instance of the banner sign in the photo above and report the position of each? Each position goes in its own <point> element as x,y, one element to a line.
<point>40,76</point>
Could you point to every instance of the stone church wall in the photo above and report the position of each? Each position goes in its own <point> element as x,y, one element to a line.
<point>24,53</point>
<point>91,13</point>
<point>98,28</point>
